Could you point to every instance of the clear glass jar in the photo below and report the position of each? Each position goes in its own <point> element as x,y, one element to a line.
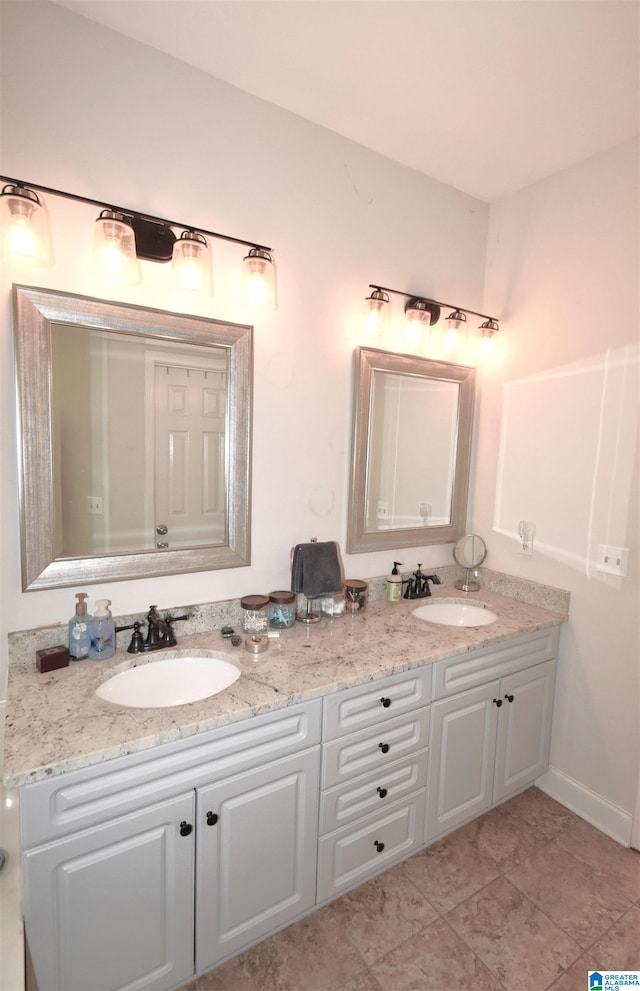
<point>355,593</point>
<point>282,610</point>
<point>255,613</point>
<point>333,605</point>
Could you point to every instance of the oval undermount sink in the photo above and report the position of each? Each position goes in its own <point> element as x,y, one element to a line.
<point>169,681</point>
<point>455,613</point>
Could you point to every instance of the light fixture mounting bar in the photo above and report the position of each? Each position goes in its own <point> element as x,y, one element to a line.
<point>132,213</point>
<point>436,302</point>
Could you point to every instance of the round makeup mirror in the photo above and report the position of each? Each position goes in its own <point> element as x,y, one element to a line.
<point>469,552</point>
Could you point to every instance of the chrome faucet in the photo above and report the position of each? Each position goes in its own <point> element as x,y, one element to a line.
<point>159,632</point>
<point>418,586</point>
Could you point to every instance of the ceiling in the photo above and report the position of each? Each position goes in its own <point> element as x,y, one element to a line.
<point>485,95</point>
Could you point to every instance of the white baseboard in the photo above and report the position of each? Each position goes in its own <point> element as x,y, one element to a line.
<point>595,809</point>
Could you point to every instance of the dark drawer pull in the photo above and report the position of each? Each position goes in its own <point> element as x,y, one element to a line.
<point>385,746</point>
<point>382,792</point>
<point>386,702</point>
<point>185,828</point>
<point>212,818</point>
<point>498,702</point>
<point>509,698</point>
<point>379,846</point>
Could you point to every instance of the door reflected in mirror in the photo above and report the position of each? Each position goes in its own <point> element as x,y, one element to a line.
<point>138,431</point>
<point>135,439</point>
<point>412,427</point>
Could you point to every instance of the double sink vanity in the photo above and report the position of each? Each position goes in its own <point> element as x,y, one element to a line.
<point>158,842</point>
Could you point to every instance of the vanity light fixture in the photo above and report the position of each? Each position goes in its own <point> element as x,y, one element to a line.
<point>376,311</point>
<point>123,236</point>
<point>26,223</point>
<point>423,312</point>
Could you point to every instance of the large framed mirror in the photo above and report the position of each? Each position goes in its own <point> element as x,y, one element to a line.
<point>134,440</point>
<point>412,430</point>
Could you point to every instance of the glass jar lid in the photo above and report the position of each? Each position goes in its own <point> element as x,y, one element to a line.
<point>355,584</point>
<point>282,598</point>
<point>254,602</point>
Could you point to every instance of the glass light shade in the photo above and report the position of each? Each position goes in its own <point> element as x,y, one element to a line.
<point>418,317</point>
<point>191,265</point>
<point>258,283</point>
<point>114,249</point>
<point>487,331</point>
<point>27,236</point>
<point>376,312</point>
<point>456,332</point>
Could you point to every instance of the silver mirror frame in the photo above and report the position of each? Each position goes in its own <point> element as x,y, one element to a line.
<point>34,311</point>
<point>367,361</point>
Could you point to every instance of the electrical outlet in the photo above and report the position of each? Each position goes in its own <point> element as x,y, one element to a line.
<point>94,506</point>
<point>526,532</point>
<point>613,560</point>
<point>383,510</point>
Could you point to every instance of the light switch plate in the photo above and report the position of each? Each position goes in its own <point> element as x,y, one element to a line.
<point>613,560</point>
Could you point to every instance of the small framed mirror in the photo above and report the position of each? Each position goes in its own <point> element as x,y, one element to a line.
<point>134,437</point>
<point>412,430</point>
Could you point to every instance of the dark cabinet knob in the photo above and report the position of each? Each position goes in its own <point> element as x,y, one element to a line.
<point>385,746</point>
<point>386,702</point>
<point>185,828</point>
<point>379,846</point>
<point>212,818</point>
<point>382,792</point>
<point>498,702</point>
<point>509,698</point>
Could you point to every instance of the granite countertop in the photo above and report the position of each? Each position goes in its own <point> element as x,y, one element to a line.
<point>56,723</point>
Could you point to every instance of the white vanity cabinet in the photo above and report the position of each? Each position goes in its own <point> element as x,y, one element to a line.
<point>374,769</point>
<point>207,843</point>
<point>491,727</point>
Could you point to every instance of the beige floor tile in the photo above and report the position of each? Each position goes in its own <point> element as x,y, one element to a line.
<point>434,959</point>
<point>539,810</point>
<point>365,982</point>
<point>611,863</point>
<point>570,893</point>
<point>314,955</point>
<point>576,977</point>
<point>465,861</point>
<point>516,941</point>
<point>231,976</point>
<point>383,913</point>
<point>619,948</point>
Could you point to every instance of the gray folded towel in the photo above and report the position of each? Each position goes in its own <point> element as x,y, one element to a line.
<point>316,569</point>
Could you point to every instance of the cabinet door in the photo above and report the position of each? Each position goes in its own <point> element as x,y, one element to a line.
<point>256,853</point>
<point>524,728</point>
<point>463,743</point>
<point>112,907</point>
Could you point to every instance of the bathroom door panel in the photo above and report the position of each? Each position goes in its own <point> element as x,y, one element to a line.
<point>111,908</point>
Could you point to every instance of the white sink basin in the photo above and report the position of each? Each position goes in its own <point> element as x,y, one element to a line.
<point>169,681</point>
<point>455,613</point>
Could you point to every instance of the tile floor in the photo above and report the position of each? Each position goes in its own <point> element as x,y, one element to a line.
<point>526,898</point>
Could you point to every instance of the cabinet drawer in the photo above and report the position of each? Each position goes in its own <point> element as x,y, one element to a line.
<point>373,792</point>
<point>374,749</point>
<point>367,705</point>
<point>354,853</point>
<point>457,674</point>
<point>90,796</point>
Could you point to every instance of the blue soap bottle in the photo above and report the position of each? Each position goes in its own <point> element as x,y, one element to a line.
<point>102,632</point>
<point>79,630</point>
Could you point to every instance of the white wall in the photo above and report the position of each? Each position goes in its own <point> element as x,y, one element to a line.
<point>87,111</point>
<point>561,405</point>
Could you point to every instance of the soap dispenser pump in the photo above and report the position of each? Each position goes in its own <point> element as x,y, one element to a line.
<point>79,630</point>
<point>394,584</point>
<point>102,632</point>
